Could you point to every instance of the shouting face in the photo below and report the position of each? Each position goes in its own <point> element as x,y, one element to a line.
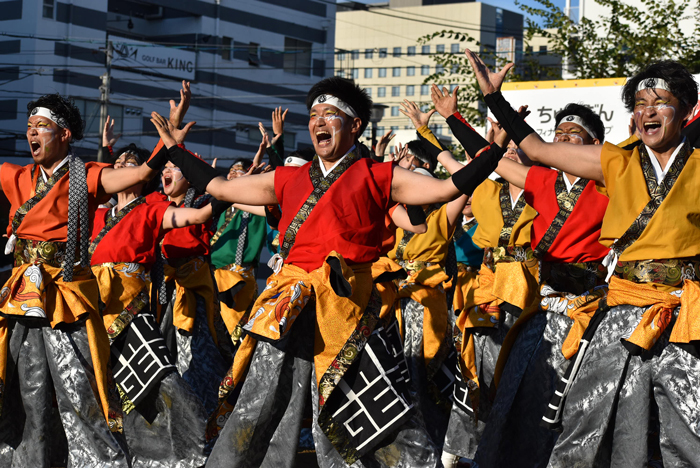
<point>658,117</point>
<point>332,131</point>
<point>174,183</point>
<point>47,141</point>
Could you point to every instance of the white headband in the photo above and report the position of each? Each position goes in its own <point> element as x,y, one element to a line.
<point>294,160</point>
<point>334,101</point>
<point>579,121</point>
<point>653,83</point>
<point>49,114</point>
<point>422,171</point>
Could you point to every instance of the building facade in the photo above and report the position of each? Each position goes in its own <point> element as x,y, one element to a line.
<point>378,48</point>
<point>243,58</point>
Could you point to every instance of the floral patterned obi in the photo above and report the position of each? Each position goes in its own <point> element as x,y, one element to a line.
<point>670,272</point>
<point>34,251</point>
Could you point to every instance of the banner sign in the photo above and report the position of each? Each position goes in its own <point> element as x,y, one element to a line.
<point>143,56</point>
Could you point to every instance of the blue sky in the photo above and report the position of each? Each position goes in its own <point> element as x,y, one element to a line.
<point>505,4</point>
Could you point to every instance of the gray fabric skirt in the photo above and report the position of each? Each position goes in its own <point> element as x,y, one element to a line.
<point>432,395</point>
<point>198,359</point>
<point>263,429</point>
<point>464,431</point>
<point>43,362</point>
<point>625,410</point>
<point>513,436</point>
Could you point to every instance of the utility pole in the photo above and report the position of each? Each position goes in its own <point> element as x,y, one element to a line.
<point>104,98</point>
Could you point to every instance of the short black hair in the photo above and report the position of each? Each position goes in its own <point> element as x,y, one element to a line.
<point>347,91</point>
<point>590,118</point>
<point>141,154</point>
<point>63,107</point>
<point>681,83</point>
<point>418,150</point>
<point>244,161</point>
<point>307,154</point>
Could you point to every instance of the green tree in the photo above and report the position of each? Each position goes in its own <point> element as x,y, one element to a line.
<point>630,37</point>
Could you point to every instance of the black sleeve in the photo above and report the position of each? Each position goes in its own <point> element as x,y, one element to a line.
<point>218,207</point>
<point>272,215</point>
<point>692,132</point>
<point>510,120</point>
<point>470,140</point>
<point>275,154</point>
<point>158,160</point>
<point>432,150</point>
<point>415,214</point>
<point>470,176</point>
<point>197,172</point>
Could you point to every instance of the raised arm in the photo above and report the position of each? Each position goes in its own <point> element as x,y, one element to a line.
<point>181,217</point>
<point>454,209</point>
<point>579,160</point>
<point>251,190</point>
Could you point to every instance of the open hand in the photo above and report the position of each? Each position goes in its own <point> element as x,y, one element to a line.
<point>170,135</point>
<point>382,143</point>
<point>177,112</point>
<point>413,112</point>
<point>445,103</point>
<point>489,82</point>
<point>108,137</point>
<point>278,120</point>
<point>261,168</point>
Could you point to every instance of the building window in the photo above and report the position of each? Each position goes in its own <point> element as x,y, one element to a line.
<point>439,68</point>
<point>411,51</point>
<point>297,56</point>
<point>254,55</point>
<point>454,48</point>
<point>355,54</point>
<point>381,91</point>
<point>368,91</point>
<point>543,50</point>
<point>382,52</point>
<point>382,73</point>
<point>424,90</point>
<point>410,71</point>
<point>453,87</point>
<point>394,111</point>
<point>91,109</point>
<point>425,50</point>
<point>395,91</point>
<point>290,140</point>
<point>48,9</point>
<point>226,48</point>
<point>440,48</point>
<point>397,52</point>
<point>436,129</point>
<point>425,70</point>
<point>341,56</point>
<point>410,90</point>
<point>394,128</point>
<point>368,73</point>
<point>380,131</point>
<point>369,53</point>
<point>396,71</point>
<point>355,73</point>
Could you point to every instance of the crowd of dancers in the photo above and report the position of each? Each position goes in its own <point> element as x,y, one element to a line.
<point>546,315</point>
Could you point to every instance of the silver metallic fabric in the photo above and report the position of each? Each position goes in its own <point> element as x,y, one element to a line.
<point>196,356</point>
<point>167,428</point>
<point>433,402</point>
<point>513,436</point>
<point>623,409</point>
<point>463,431</point>
<point>43,362</point>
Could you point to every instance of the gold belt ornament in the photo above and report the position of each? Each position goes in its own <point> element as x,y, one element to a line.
<point>670,272</point>
<point>33,251</point>
<point>509,254</point>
